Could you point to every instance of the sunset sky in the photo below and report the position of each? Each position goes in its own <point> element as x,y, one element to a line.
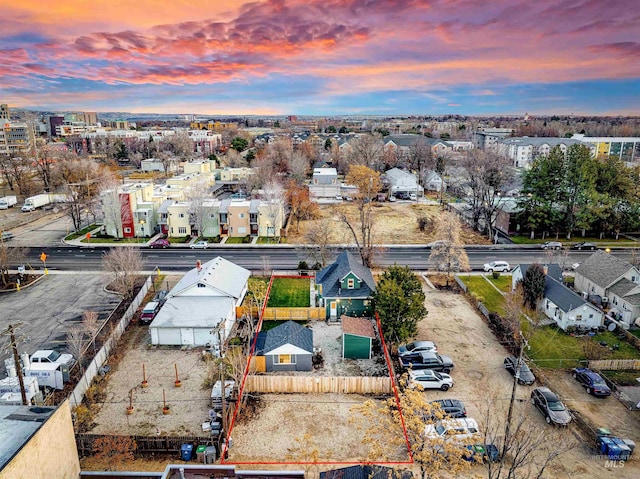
<point>322,57</point>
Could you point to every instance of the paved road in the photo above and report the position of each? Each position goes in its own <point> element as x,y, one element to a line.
<point>258,258</point>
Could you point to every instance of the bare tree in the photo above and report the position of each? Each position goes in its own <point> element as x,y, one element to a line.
<point>448,251</point>
<point>298,167</point>
<point>123,265</point>
<point>111,206</point>
<point>300,205</point>
<point>486,174</point>
<point>198,211</point>
<point>317,241</point>
<point>91,326</point>
<point>233,159</point>
<point>19,175</point>
<point>10,257</point>
<point>274,199</point>
<point>76,342</point>
<point>43,160</point>
<point>368,183</point>
<point>367,150</point>
<point>181,144</point>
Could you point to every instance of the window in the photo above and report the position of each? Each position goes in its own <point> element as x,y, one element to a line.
<point>284,359</point>
<point>127,230</point>
<point>212,215</point>
<point>241,215</point>
<point>182,230</point>
<point>181,215</point>
<point>591,316</point>
<point>350,283</point>
<point>578,317</point>
<point>202,285</point>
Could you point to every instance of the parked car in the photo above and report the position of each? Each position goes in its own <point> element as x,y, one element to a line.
<point>199,245</point>
<point>339,197</point>
<point>149,311</point>
<point>550,406</point>
<point>430,379</point>
<point>7,236</point>
<point>427,360</point>
<point>160,243</point>
<point>592,381</point>
<point>482,453</point>
<point>349,198</point>
<point>392,198</point>
<point>417,347</point>
<point>525,376</point>
<point>452,407</point>
<point>551,245</point>
<point>585,245</point>
<point>501,266</point>
<point>413,197</point>
<point>160,296</point>
<point>461,428</point>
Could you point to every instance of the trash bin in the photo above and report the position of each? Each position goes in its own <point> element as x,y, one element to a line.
<point>630,444</point>
<point>200,451</point>
<point>210,455</point>
<point>185,452</point>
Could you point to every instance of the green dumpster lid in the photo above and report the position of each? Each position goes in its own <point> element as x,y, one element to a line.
<point>201,448</point>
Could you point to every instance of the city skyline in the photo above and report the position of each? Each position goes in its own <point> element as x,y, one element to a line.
<point>323,57</point>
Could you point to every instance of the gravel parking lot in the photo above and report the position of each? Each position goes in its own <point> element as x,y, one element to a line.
<point>479,375</point>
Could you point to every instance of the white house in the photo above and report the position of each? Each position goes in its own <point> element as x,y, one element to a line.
<point>433,181</point>
<point>201,309</point>
<point>561,304</point>
<point>612,282</point>
<point>324,183</point>
<point>403,182</point>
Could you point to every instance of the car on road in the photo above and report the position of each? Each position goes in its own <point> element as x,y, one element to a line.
<point>427,360</point>
<point>199,245</point>
<point>339,197</point>
<point>430,379</point>
<point>551,245</point>
<point>451,407</point>
<point>585,245</point>
<point>413,197</point>
<point>160,243</point>
<point>149,311</point>
<point>349,198</point>
<point>461,428</point>
<point>592,381</point>
<point>550,406</point>
<point>525,376</point>
<point>500,266</point>
<point>417,347</point>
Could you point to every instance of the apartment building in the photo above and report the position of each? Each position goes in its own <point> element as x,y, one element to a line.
<point>626,148</point>
<point>129,211</point>
<point>523,150</point>
<point>486,139</point>
<point>16,138</point>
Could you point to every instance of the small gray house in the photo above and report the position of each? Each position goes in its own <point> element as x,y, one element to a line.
<point>287,347</point>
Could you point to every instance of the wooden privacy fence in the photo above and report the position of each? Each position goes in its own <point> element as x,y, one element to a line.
<point>145,444</point>
<point>294,314</point>
<point>615,364</point>
<point>319,384</point>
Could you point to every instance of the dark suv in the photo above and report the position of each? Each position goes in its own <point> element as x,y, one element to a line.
<point>592,381</point>
<point>452,407</point>
<point>427,360</point>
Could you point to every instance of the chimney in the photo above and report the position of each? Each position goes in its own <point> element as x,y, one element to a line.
<point>198,266</point>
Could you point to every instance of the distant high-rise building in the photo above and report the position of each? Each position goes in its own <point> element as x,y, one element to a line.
<point>52,123</point>
<point>15,137</point>
<point>89,118</point>
<point>4,112</point>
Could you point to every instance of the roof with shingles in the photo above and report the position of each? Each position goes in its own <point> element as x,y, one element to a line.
<point>564,298</point>
<point>603,268</point>
<point>553,270</point>
<point>285,333</point>
<point>628,290</point>
<point>331,276</point>
<point>357,326</point>
<point>366,472</point>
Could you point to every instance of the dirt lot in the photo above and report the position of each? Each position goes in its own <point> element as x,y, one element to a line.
<point>396,223</point>
<point>284,419</point>
<point>460,333</point>
<point>189,404</point>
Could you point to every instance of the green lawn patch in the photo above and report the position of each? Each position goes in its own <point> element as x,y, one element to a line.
<point>635,332</point>
<point>290,293</point>
<point>503,283</point>
<point>268,240</point>
<point>111,239</point>
<point>82,232</point>
<point>180,240</point>
<point>267,325</point>
<point>238,240</point>
<point>484,292</point>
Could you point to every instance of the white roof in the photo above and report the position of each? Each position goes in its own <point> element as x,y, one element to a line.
<point>223,276</point>
<point>193,312</point>
<point>325,172</point>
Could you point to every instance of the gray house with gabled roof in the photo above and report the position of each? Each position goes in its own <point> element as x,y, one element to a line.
<point>287,347</point>
<point>346,287</point>
<point>560,303</point>
<point>612,282</point>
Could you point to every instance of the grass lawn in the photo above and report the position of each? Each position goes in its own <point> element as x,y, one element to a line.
<point>503,283</point>
<point>290,293</point>
<point>268,240</point>
<point>180,239</point>
<point>82,232</point>
<point>238,240</point>
<point>552,348</point>
<point>110,239</point>
<point>484,292</point>
<point>635,332</point>
<point>622,241</point>
<point>267,325</point>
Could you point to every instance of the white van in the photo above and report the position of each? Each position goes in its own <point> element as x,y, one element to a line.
<point>500,266</point>
<point>7,236</point>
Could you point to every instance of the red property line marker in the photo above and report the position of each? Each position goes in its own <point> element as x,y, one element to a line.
<point>241,391</point>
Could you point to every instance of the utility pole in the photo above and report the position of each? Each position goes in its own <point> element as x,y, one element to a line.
<point>516,376</point>
<point>10,331</point>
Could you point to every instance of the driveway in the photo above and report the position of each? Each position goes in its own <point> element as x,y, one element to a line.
<point>47,308</point>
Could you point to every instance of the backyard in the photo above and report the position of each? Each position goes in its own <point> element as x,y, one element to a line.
<point>290,293</point>
<point>549,346</point>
